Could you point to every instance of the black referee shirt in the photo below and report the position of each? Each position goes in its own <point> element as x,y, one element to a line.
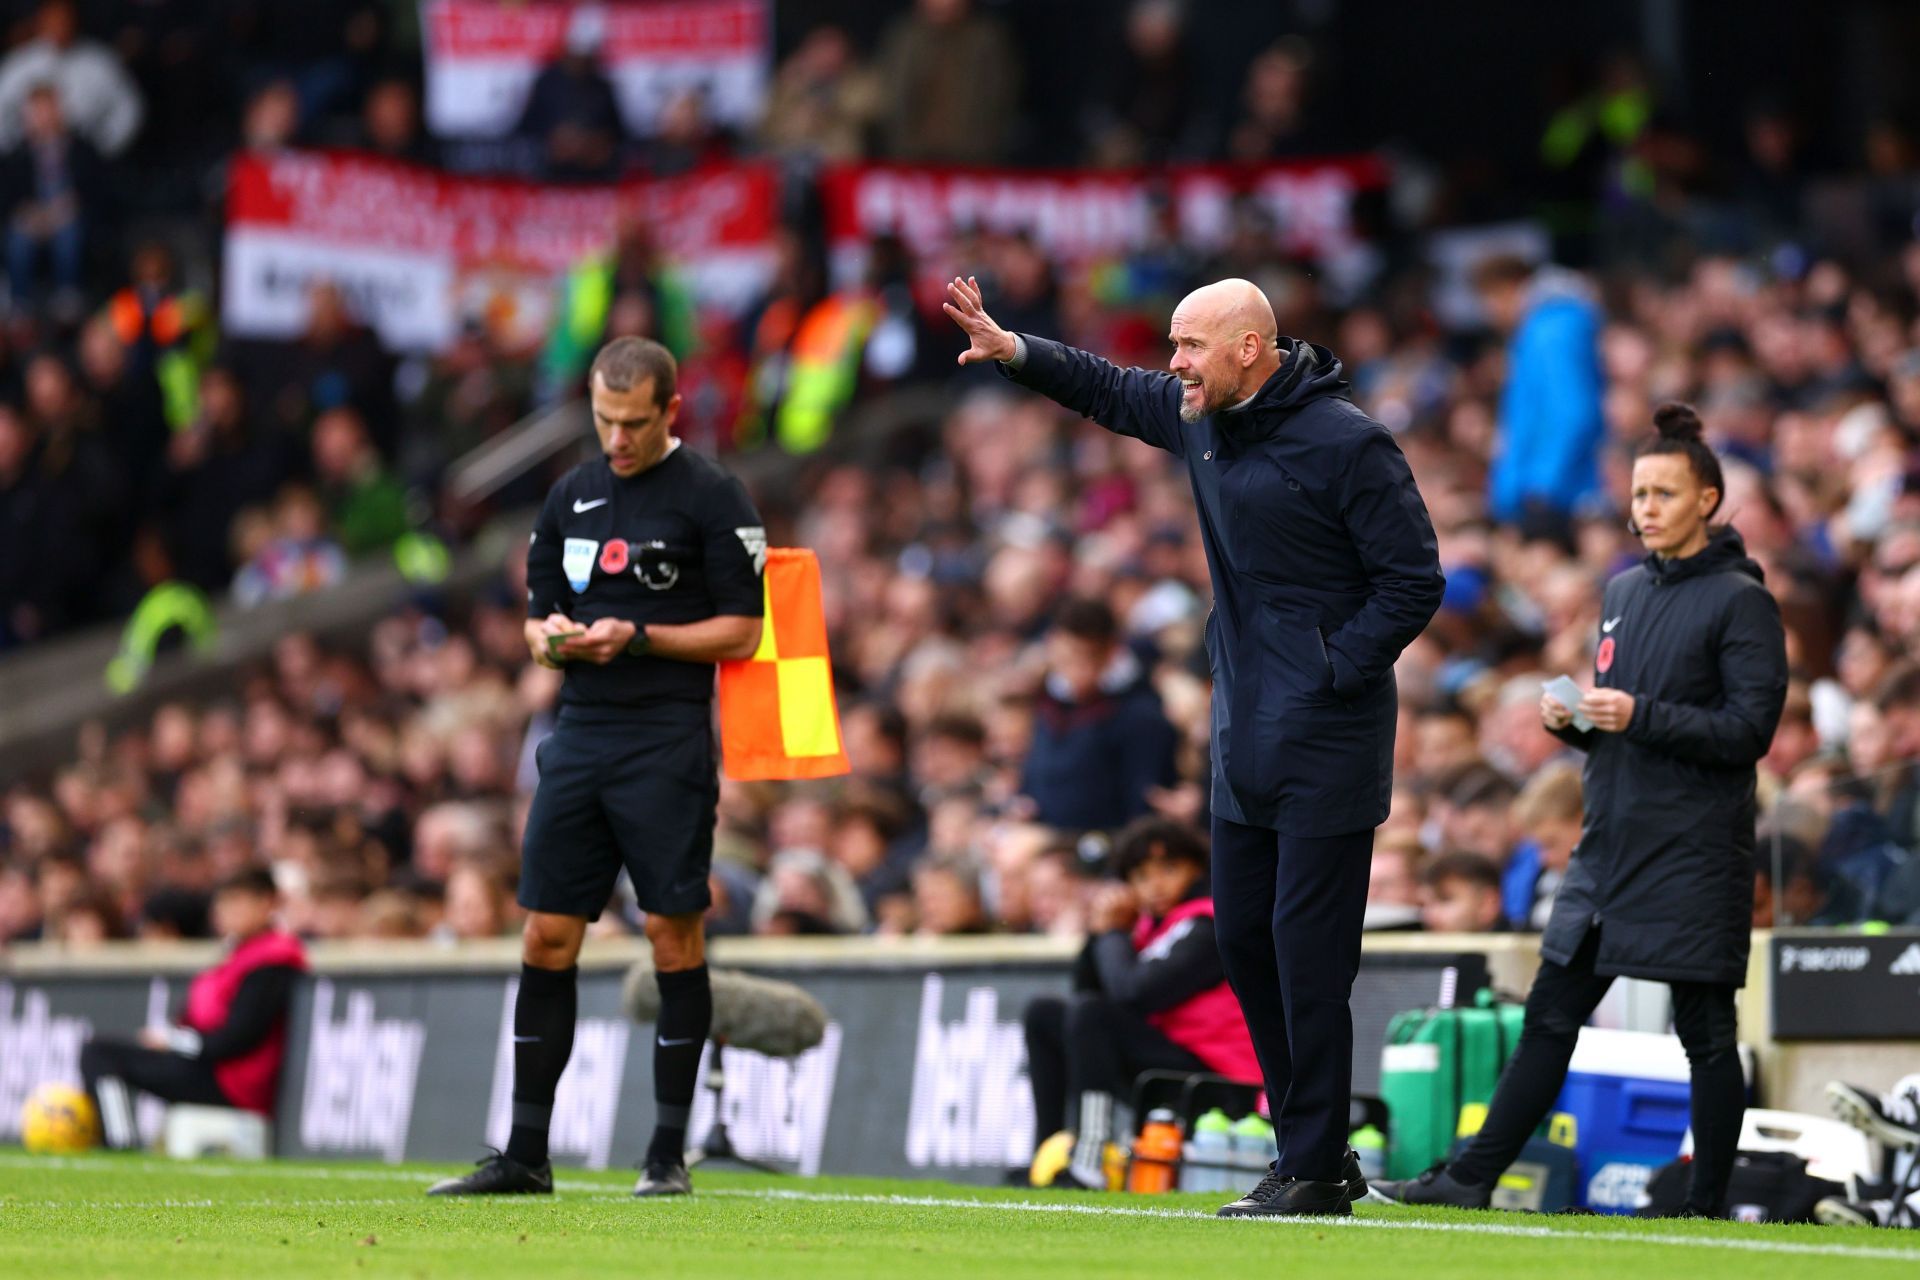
<point>679,542</point>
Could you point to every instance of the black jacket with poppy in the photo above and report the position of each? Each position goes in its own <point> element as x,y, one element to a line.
<point>1665,860</point>
<point>1324,568</point>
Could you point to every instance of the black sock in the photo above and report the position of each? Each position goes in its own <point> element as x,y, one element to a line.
<point>543,1017</point>
<point>686,1015</point>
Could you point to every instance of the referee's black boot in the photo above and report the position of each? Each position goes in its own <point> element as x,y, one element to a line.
<point>1351,1177</point>
<point>1436,1186</point>
<point>499,1175</point>
<point>664,1179</point>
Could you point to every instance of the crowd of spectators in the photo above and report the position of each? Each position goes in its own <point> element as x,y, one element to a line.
<point>1015,597</point>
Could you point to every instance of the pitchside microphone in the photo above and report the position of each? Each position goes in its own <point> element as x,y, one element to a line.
<point>758,1014</point>
<point>774,1018</point>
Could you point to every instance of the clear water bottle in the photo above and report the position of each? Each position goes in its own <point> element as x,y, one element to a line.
<point>1205,1161</point>
<point>1253,1150</point>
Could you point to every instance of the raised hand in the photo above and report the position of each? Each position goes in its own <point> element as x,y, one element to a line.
<point>989,341</point>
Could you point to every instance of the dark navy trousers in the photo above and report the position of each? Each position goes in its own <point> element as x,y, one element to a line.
<point>1288,910</point>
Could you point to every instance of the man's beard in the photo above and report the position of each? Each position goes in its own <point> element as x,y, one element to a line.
<point>1193,411</point>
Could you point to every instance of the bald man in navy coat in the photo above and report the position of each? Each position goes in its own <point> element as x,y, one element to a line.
<point>1324,568</point>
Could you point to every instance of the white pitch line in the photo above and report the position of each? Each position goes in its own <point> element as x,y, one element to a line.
<point>1340,1224</point>
<point>122,1163</point>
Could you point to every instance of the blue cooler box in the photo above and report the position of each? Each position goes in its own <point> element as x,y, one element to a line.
<point>1626,1100</point>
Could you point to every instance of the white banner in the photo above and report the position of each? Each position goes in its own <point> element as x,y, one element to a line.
<point>482,58</point>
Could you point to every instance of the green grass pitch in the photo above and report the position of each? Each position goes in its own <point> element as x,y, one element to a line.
<point>136,1216</point>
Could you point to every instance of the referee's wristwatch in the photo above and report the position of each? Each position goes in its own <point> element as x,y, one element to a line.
<point>639,646</point>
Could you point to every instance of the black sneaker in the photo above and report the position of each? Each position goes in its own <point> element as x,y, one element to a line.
<point>1436,1186</point>
<point>1292,1197</point>
<point>498,1175</point>
<point>664,1180</point>
<point>1356,1181</point>
<point>1255,1203</point>
<point>1892,1119</point>
<point>1251,1201</point>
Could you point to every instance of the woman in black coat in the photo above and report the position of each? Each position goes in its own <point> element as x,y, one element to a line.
<point>1689,679</point>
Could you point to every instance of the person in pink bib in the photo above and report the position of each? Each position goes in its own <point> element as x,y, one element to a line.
<point>228,1044</point>
<point>1149,993</point>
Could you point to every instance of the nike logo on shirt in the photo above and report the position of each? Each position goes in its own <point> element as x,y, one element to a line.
<point>1610,624</point>
<point>668,1044</point>
<point>579,506</point>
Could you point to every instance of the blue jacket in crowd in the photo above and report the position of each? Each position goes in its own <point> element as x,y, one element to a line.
<point>1551,424</point>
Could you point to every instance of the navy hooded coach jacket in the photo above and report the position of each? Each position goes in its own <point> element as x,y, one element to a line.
<point>1324,568</point>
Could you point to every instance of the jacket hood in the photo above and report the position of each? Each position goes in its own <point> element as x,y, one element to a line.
<point>1307,372</point>
<point>1725,552</point>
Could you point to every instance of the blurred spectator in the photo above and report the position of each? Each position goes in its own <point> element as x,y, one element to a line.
<point>1100,738</point>
<point>1393,883</point>
<point>287,553</point>
<point>19,903</point>
<point>946,897</point>
<point>31,591</point>
<point>170,915</point>
<point>389,124</point>
<point>684,139</point>
<point>804,893</point>
<point>823,103</point>
<point>52,184</point>
<point>367,506</point>
<point>131,414</point>
<point>93,90</point>
<point>472,391</point>
<point>272,118</point>
<point>167,329</point>
<point>1548,815</point>
<point>1148,105</point>
<point>479,901</point>
<point>173,58</point>
<point>1460,893</point>
<point>1769,180</point>
<point>1550,408</point>
<point>217,466</point>
<point>1472,810</point>
<point>1149,994</point>
<point>572,114</point>
<point>863,841</point>
<point>321,47</point>
<point>1059,892</point>
<point>336,362</point>
<point>1275,119</point>
<point>626,290</point>
<point>949,85</point>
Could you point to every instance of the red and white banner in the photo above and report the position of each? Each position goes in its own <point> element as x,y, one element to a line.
<point>417,251</point>
<point>482,57</point>
<point>1080,216</point>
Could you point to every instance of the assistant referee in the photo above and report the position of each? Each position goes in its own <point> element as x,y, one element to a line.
<point>644,571</point>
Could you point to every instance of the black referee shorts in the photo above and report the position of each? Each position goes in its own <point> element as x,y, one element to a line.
<point>637,794</point>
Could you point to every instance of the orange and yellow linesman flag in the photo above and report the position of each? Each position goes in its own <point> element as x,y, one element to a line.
<point>777,714</point>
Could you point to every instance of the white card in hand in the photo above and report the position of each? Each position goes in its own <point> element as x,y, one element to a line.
<point>1564,691</point>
